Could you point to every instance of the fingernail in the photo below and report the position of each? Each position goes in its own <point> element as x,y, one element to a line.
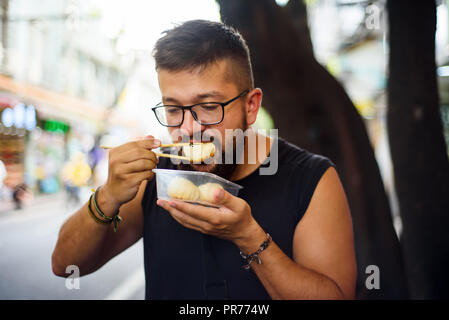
<point>157,142</point>
<point>220,195</point>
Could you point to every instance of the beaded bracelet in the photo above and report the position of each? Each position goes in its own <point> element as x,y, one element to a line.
<point>255,256</point>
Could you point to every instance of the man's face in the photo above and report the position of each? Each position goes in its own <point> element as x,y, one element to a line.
<point>188,87</point>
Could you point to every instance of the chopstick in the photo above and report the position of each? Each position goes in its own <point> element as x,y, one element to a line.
<point>169,155</point>
<point>166,155</point>
<point>181,144</point>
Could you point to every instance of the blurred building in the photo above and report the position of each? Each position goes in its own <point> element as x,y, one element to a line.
<point>61,81</point>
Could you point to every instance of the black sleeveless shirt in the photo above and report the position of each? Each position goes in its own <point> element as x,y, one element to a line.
<point>181,263</point>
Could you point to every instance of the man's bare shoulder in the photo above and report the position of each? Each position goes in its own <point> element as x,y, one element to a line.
<point>323,239</point>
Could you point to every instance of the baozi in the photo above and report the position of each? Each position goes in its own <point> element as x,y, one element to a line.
<point>183,189</point>
<point>207,191</point>
<point>198,152</point>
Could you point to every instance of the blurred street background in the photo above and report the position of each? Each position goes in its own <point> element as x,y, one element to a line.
<point>28,237</point>
<point>78,74</point>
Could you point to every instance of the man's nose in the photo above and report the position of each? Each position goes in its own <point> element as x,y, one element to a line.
<point>190,125</point>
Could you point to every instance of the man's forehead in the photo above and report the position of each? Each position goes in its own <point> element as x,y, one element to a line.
<point>200,95</point>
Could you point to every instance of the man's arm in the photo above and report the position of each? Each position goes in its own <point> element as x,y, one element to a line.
<point>323,265</point>
<point>89,245</point>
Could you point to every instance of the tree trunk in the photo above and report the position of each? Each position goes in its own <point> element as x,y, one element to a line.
<point>418,149</point>
<point>312,110</point>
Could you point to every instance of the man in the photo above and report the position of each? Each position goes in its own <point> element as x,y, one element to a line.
<point>197,252</point>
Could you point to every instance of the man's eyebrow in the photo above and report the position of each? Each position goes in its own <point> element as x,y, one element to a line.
<point>211,94</point>
<point>170,100</point>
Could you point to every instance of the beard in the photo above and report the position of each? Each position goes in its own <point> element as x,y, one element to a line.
<point>224,170</point>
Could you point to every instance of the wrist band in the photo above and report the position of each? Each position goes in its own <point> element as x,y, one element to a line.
<point>97,220</point>
<point>98,209</point>
<point>115,220</point>
<point>255,256</point>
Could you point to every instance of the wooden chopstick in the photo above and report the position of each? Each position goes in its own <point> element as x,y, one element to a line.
<point>166,155</point>
<point>169,155</point>
<point>181,144</point>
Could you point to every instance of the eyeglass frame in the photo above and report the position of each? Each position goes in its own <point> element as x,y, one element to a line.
<point>183,108</point>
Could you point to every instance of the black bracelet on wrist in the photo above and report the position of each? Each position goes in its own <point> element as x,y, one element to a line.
<point>255,256</point>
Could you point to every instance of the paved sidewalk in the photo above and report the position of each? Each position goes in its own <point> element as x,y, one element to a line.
<point>27,240</point>
<point>8,207</point>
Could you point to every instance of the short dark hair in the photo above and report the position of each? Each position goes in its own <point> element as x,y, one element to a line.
<point>198,43</point>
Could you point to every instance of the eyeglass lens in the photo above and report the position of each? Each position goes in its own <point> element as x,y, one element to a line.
<point>204,113</point>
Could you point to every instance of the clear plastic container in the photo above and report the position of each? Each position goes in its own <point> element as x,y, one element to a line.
<point>191,186</point>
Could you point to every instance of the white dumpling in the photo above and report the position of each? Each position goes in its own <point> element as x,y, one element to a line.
<point>183,189</point>
<point>208,190</point>
<point>198,152</point>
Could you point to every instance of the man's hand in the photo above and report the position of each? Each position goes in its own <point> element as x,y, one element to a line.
<point>232,221</point>
<point>129,165</point>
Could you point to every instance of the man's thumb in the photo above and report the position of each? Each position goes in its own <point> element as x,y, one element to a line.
<point>224,198</point>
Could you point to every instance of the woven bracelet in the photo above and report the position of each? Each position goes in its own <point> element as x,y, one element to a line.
<point>115,220</point>
<point>89,208</point>
<point>98,209</point>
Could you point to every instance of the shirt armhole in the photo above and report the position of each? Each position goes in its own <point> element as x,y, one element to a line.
<point>316,173</point>
<point>147,195</point>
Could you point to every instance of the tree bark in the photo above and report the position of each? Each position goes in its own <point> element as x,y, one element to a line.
<point>312,110</point>
<point>418,149</point>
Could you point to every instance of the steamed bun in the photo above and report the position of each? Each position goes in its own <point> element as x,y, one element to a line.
<point>183,189</point>
<point>198,152</point>
<point>207,191</point>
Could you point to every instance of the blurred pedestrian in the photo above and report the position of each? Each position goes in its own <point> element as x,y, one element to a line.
<point>3,174</point>
<point>76,174</point>
<point>21,194</point>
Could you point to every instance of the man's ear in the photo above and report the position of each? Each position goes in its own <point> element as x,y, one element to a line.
<point>253,102</point>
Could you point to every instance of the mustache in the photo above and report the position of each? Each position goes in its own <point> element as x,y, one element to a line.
<point>198,137</point>
<point>181,134</point>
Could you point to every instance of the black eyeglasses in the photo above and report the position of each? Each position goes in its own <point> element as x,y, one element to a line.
<point>205,113</point>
